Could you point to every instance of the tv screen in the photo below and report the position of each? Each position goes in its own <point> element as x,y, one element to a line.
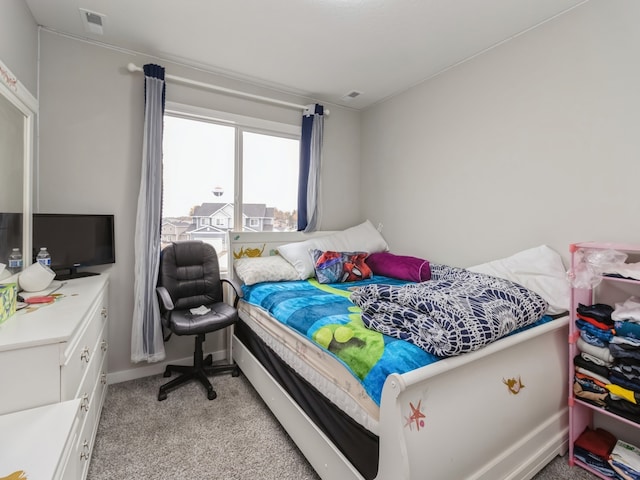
<point>74,241</point>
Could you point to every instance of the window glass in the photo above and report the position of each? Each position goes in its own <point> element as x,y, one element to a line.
<point>198,165</point>
<point>270,178</point>
<point>206,158</point>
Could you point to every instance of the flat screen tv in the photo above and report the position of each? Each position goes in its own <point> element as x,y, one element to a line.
<point>74,241</point>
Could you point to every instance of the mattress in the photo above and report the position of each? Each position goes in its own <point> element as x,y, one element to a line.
<point>319,368</point>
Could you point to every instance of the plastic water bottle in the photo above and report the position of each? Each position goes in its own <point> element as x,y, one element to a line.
<point>43,257</point>
<point>15,261</point>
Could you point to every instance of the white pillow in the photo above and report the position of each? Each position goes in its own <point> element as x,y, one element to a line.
<point>539,269</point>
<point>264,269</point>
<point>361,238</point>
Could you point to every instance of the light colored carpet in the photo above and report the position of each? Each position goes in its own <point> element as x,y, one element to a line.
<point>233,437</point>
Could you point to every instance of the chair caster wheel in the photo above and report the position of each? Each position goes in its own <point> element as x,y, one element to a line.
<point>162,396</point>
<point>235,372</point>
<point>211,395</point>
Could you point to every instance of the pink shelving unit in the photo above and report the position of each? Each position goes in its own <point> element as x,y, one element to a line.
<point>610,290</point>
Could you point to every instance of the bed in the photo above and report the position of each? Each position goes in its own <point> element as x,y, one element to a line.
<point>498,412</point>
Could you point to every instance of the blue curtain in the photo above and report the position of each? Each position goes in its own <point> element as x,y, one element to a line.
<point>310,161</point>
<point>146,333</point>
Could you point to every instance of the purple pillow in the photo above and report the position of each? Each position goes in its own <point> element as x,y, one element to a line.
<point>399,266</point>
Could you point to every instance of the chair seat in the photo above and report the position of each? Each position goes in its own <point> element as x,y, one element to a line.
<point>221,315</point>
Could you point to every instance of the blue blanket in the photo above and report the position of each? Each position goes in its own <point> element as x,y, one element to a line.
<point>324,314</point>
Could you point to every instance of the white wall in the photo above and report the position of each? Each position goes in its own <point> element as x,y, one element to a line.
<point>533,142</point>
<point>19,43</point>
<point>536,141</point>
<point>91,117</point>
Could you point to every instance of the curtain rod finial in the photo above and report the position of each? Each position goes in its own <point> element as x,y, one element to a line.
<point>132,67</point>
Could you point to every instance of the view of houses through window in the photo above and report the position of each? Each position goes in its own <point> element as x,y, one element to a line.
<point>212,164</point>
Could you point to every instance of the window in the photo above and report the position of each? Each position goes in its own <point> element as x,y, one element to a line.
<point>214,161</point>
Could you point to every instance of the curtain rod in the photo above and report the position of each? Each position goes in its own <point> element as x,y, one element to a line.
<point>134,68</point>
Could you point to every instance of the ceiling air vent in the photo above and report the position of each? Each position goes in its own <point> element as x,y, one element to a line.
<point>351,95</point>
<point>93,21</point>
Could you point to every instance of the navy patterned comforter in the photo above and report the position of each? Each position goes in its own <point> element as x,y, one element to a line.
<point>457,311</point>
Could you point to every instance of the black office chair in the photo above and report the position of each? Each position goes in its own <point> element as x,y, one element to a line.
<point>189,278</point>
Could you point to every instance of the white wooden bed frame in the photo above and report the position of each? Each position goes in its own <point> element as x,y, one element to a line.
<point>474,425</point>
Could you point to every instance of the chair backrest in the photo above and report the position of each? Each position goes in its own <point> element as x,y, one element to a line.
<point>190,272</point>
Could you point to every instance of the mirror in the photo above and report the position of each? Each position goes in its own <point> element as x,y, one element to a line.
<point>18,109</point>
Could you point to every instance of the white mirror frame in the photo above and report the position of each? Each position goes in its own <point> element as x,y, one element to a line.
<point>23,100</point>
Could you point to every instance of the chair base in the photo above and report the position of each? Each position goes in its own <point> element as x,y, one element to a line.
<point>201,369</point>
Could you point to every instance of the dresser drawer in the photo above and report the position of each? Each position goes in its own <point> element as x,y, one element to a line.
<point>39,385</point>
<point>97,354</point>
<point>80,355</point>
<point>92,388</point>
<point>69,467</point>
<point>90,409</point>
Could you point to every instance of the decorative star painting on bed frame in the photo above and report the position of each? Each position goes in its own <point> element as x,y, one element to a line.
<point>416,417</point>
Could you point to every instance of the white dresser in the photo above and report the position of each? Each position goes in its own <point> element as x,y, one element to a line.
<point>56,353</point>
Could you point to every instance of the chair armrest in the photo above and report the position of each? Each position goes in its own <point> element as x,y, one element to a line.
<point>237,289</point>
<point>165,298</point>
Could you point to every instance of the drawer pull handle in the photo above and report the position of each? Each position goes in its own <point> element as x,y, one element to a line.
<point>85,451</point>
<point>103,379</point>
<point>85,354</point>
<point>103,313</point>
<point>84,404</point>
<point>104,345</point>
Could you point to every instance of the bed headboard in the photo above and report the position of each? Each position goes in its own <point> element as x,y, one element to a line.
<point>263,244</point>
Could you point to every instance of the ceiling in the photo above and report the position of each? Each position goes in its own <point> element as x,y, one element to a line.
<point>322,49</point>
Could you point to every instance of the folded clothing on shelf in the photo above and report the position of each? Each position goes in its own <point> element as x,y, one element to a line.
<point>599,441</point>
<point>598,311</point>
<point>628,456</point>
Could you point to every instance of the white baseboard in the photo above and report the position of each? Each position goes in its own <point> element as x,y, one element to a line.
<point>156,368</point>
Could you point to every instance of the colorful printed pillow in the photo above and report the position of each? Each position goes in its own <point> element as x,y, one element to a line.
<point>339,267</point>
<point>361,238</point>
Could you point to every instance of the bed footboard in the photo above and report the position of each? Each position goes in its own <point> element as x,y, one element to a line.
<point>497,413</point>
